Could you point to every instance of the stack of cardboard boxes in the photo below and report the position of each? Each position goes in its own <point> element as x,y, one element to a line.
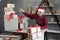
<point>12,24</point>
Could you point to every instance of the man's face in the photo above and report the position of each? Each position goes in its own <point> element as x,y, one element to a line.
<point>39,13</point>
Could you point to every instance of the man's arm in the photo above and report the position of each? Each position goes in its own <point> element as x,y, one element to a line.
<point>45,26</point>
<point>31,16</point>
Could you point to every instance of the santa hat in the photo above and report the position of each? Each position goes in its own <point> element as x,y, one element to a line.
<point>41,9</point>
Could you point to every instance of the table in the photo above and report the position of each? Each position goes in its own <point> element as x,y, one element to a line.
<point>23,33</point>
<point>7,36</point>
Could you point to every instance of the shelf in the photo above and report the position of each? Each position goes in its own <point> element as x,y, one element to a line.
<point>53,31</point>
<point>46,6</point>
<point>51,14</point>
<point>6,36</point>
<point>53,22</point>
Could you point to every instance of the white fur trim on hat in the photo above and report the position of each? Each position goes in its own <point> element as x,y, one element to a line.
<point>42,10</point>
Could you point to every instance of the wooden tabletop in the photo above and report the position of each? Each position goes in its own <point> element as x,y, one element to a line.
<point>7,36</point>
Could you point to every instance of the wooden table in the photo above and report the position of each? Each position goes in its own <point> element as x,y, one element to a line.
<point>22,33</point>
<point>8,36</point>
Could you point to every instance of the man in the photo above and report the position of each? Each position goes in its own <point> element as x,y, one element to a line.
<point>41,20</point>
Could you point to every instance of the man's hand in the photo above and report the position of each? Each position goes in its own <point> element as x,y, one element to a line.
<point>21,10</point>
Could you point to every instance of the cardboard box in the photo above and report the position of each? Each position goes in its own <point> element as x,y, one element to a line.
<point>6,16</point>
<point>1,38</point>
<point>36,35</point>
<point>11,25</point>
<point>15,16</point>
<point>7,10</point>
<point>33,29</point>
<point>38,39</point>
<point>22,25</point>
<point>10,5</point>
<point>24,22</point>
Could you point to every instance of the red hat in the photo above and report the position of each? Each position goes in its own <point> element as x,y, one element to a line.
<point>41,9</point>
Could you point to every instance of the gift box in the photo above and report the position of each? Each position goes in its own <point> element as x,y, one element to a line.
<point>23,22</point>
<point>35,32</point>
<point>33,29</point>
<point>1,38</point>
<point>8,10</point>
<point>10,5</point>
<point>11,25</point>
<point>5,16</point>
<point>39,39</point>
<point>36,35</point>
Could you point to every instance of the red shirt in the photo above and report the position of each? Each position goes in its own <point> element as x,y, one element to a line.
<point>42,22</point>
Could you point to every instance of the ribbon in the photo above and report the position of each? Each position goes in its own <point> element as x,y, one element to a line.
<point>20,17</point>
<point>11,15</point>
<point>36,29</point>
<point>19,30</point>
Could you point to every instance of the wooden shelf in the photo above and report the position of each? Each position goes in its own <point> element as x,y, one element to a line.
<point>6,36</point>
<point>46,6</point>
<point>53,22</point>
<point>53,31</point>
<point>51,14</point>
